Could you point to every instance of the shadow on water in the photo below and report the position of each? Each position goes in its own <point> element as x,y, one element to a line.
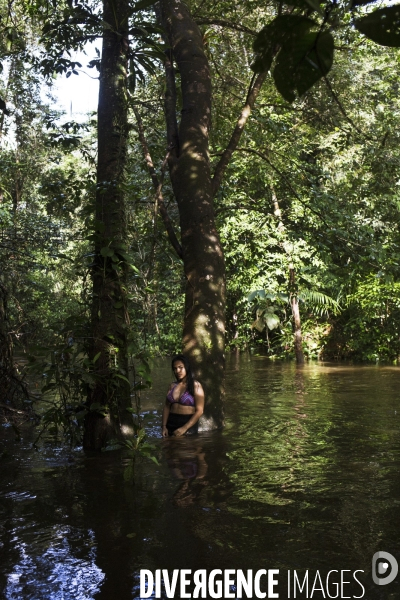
<point>304,476</point>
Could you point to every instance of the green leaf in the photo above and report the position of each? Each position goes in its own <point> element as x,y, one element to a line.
<point>106,251</point>
<point>382,26</point>
<point>111,447</point>
<point>96,358</point>
<point>262,62</point>
<point>149,447</point>
<point>280,30</point>
<point>278,33</point>
<point>318,300</point>
<point>305,56</point>
<point>253,295</point>
<point>259,324</point>
<point>99,408</point>
<point>302,62</point>
<point>271,320</point>
<point>122,377</point>
<point>134,268</point>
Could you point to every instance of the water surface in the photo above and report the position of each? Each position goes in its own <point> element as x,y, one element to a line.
<point>305,475</point>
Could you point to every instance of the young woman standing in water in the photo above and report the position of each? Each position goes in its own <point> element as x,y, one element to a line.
<point>184,404</point>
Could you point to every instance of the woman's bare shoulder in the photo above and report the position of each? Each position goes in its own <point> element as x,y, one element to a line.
<point>197,386</point>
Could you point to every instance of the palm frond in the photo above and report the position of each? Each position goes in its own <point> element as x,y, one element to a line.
<point>319,302</point>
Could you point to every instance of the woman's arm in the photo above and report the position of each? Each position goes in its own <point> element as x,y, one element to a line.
<point>165,415</point>
<point>199,409</point>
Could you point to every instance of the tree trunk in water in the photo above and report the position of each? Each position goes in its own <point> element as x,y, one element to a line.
<point>109,315</point>
<point>294,303</point>
<point>204,322</point>
<point>298,342</point>
<point>6,347</point>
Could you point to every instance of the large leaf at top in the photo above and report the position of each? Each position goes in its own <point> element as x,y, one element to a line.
<point>382,26</point>
<point>302,61</point>
<point>276,34</point>
<point>279,30</point>
<point>305,54</point>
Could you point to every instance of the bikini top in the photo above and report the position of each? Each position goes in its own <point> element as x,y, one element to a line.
<point>186,399</point>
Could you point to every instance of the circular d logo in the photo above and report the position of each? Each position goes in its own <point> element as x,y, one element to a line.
<point>384,568</point>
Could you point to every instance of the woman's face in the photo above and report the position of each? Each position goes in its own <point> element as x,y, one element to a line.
<point>179,370</point>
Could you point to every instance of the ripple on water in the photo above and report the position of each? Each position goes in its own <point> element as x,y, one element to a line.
<point>56,573</point>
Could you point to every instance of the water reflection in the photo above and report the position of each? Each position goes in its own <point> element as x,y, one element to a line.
<point>304,476</point>
<point>186,460</point>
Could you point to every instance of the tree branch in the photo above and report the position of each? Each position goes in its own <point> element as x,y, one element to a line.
<point>342,110</point>
<point>227,24</point>
<point>15,410</point>
<point>283,176</point>
<point>254,90</point>
<point>158,183</point>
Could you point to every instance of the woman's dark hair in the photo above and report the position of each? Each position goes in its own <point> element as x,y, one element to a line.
<point>188,369</point>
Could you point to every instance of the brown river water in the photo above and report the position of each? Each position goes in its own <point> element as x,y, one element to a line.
<point>304,479</point>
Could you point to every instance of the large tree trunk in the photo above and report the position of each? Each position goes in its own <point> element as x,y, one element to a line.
<point>204,322</point>
<point>298,340</point>
<point>109,314</point>
<point>6,346</point>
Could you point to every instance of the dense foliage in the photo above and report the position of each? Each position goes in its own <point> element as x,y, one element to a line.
<point>312,186</point>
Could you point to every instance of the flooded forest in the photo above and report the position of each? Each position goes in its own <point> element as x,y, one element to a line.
<point>233,200</point>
